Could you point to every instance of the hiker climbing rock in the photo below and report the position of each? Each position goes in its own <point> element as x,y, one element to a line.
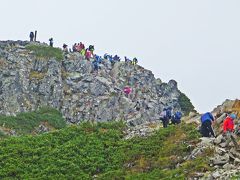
<point>31,36</point>
<point>127,90</point>
<point>51,42</point>
<point>137,106</point>
<point>228,130</point>
<point>206,127</point>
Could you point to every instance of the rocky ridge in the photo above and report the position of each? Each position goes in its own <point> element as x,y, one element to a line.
<point>226,159</point>
<point>28,82</point>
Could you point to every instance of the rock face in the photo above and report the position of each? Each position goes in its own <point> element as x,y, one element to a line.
<point>28,82</point>
<point>226,158</point>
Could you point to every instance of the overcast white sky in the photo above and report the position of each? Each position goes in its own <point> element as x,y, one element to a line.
<point>195,42</point>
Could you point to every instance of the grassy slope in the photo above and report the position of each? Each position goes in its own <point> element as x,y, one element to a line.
<point>24,123</point>
<point>85,151</point>
<point>43,51</point>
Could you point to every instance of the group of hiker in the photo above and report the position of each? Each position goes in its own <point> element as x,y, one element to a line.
<point>167,114</point>
<point>88,53</point>
<point>228,131</point>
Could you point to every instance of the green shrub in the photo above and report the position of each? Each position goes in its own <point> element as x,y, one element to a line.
<point>24,123</point>
<point>43,51</point>
<point>98,151</point>
<point>185,104</point>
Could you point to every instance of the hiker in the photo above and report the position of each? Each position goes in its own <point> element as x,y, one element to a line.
<point>116,58</point>
<point>91,47</point>
<point>65,48</point>
<point>127,60</point>
<point>82,46</point>
<point>31,36</point>
<point>163,117</point>
<point>176,118</point>
<point>134,61</point>
<point>51,42</point>
<point>228,130</point>
<point>83,52</point>
<point>88,54</point>
<point>206,127</point>
<point>137,106</point>
<point>74,47</point>
<point>98,58</point>
<point>95,65</point>
<point>127,90</point>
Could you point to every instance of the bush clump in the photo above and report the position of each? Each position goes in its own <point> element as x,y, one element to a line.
<point>43,51</point>
<point>99,151</point>
<point>185,104</point>
<point>24,123</point>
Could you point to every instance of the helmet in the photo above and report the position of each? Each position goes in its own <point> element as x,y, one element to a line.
<point>233,116</point>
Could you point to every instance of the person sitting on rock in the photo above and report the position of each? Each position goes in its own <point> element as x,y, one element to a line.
<point>65,48</point>
<point>176,118</point>
<point>127,60</point>
<point>206,127</point>
<point>116,58</point>
<point>228,130</point>
<point>134,61</point>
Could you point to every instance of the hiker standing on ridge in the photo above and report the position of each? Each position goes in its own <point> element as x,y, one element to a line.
<point>206,128</point>
<point>51,42</point>
<point>31,36</point>
<point>228,129</point>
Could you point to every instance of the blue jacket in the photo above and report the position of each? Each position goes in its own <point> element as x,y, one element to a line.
<point>207,117</point>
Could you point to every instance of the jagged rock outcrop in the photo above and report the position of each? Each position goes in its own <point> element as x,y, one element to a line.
<point>226,158</point>
<point>28,82</point>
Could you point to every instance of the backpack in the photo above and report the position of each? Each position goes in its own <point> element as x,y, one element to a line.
<point>169,113</point>
<point>178,115</point>
<point>163,114</point>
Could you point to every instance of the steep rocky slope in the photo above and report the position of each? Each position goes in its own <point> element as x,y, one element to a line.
<point>226,159</point>
<point>32,77</point>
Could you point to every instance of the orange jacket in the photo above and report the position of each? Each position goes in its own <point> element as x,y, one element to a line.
<point>228,124</point>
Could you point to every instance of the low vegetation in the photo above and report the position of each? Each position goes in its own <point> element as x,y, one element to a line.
<point>43,51</point>
<point>99,151</point>
<point>185,104</point>
<point>25,123</point>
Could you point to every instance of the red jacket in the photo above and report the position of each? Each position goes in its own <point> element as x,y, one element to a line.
<point>228,124</point>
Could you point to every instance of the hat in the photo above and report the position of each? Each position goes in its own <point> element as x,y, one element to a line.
<point>233,116</point>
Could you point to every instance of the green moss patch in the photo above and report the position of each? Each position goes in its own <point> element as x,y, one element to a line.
<point>43,51</point>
